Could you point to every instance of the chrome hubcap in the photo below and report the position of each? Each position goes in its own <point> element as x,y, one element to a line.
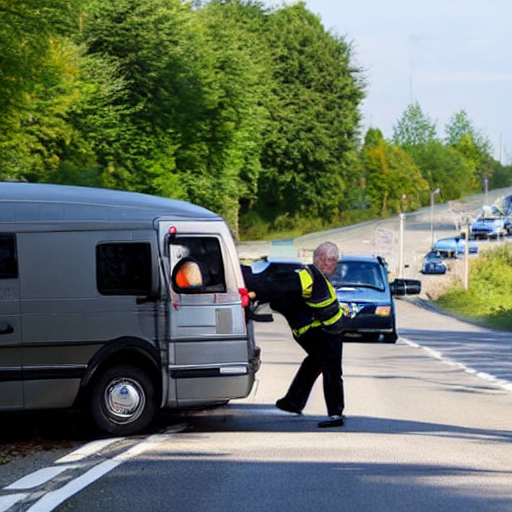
<point>125,400</point>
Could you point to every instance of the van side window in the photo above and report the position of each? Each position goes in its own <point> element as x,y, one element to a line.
<point>123,268</point>
<point>206,253</point>
<point>8,257</point>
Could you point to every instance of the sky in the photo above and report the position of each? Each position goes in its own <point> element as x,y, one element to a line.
<point>447,55</point>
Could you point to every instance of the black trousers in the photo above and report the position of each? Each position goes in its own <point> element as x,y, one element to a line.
<point>324,357</point>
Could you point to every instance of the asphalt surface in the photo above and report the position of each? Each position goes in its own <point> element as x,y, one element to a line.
<point>420,435</point>
<point>455,435</point>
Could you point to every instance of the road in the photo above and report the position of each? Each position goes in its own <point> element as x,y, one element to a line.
<point>421,435</point>
<point>428,428</point>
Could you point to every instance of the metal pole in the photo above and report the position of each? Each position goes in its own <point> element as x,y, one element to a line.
<point>401,255</point>
<point>432,195</point>
<point>432,218</point>
<point>466,256</point>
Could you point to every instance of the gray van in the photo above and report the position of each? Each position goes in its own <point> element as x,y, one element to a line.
<point>121,302</point>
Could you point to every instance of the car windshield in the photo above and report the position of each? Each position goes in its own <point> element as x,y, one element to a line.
<point>359,274</point>
<point>489,220</point>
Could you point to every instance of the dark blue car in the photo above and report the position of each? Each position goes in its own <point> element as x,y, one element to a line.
<point>364,291</point>
<point>366,294</point>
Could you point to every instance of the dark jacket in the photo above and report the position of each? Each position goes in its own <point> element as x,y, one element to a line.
<point>302,294</point>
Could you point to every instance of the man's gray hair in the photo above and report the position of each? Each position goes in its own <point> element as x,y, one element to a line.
<point>329,250</point>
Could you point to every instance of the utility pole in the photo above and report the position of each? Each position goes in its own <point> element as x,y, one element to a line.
<point>466,256</point>
<point>401,253</point>
<point>432,194</point>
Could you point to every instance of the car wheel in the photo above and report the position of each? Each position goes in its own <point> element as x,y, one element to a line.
<point>122,400</point>
<point>390,338</point>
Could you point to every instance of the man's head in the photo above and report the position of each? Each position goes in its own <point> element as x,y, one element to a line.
<point>326,257</point>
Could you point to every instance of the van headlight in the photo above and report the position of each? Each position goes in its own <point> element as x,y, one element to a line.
<point>383,310</point>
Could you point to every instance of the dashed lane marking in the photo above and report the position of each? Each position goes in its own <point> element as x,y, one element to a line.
<point>37,478</point>
<point>54,498</point>
<point>500,383</point>
<point>88,450</point>
<point>6,502</point>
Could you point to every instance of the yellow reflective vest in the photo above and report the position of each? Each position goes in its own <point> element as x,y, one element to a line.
<point>320,298</point>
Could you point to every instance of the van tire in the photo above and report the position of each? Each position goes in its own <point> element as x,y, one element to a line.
<point>122,400</point>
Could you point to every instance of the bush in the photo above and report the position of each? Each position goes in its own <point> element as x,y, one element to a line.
<point>489,297</point>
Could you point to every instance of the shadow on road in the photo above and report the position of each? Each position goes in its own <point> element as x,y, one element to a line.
<point>256,418</point>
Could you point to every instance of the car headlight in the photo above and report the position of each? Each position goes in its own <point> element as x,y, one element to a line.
<point>383,310</point>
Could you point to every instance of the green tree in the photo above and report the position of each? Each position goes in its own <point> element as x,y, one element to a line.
<point>444,167</point>
<point>309,160</point>
<point>194,89</point>
<point>26,28</point>
<point>43,146</point>
<point>460,126</point>
<point>472,145</point>
<point>393,183</point>
<point>38,86</point>
<point>223,149</point>
<point>413,128</point>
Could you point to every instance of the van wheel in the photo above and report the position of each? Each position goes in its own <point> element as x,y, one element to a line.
<point>122,400</point>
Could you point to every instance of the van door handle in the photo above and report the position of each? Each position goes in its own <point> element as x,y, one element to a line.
<point>6,328</point>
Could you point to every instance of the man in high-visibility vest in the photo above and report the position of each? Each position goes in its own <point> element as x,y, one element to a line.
<point>305,297</point>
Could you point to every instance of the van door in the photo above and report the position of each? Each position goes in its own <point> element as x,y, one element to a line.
<point>209,340</point>
<point>11,384</point>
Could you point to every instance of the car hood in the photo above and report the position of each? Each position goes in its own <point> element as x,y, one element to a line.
<point>357,294</point>
<point>434,260</point>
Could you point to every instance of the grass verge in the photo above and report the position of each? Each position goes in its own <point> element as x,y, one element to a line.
<point>488,300</point>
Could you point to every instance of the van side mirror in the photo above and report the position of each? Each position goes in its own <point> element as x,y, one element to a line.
<point>405,287</point>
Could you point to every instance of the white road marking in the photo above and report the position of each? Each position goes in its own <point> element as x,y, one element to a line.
<point>54,498</point>
<point>87,450</point>
<point>501,383</point>
<point>6,502</point>
<point>37,478</point>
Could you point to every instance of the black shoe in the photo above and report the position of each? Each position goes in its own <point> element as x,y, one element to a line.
<point>333,421</point>
<point>287,406</point>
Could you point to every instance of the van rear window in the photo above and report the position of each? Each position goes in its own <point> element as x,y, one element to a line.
<point>8,258</point>
<point>206,254</point>
<point>123,268</point>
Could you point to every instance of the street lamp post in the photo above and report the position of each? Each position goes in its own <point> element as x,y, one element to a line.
<point>432,194</point>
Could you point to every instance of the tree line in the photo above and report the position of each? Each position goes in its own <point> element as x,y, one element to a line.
<point>251,112</point>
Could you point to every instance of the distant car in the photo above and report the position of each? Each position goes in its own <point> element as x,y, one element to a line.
<point>454,246</point>
<point>507,205</point>
<point>434,262</point>
<point>490,227</point>
<point>366,294</point>
<point>364,291</point>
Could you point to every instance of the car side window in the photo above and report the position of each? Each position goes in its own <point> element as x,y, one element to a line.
<point>8,257</point>
<point>123,268</point>
<point>204,268</point>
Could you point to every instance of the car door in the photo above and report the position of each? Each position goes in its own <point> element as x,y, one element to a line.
<point>209,340</point>
<point>11,384</point>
